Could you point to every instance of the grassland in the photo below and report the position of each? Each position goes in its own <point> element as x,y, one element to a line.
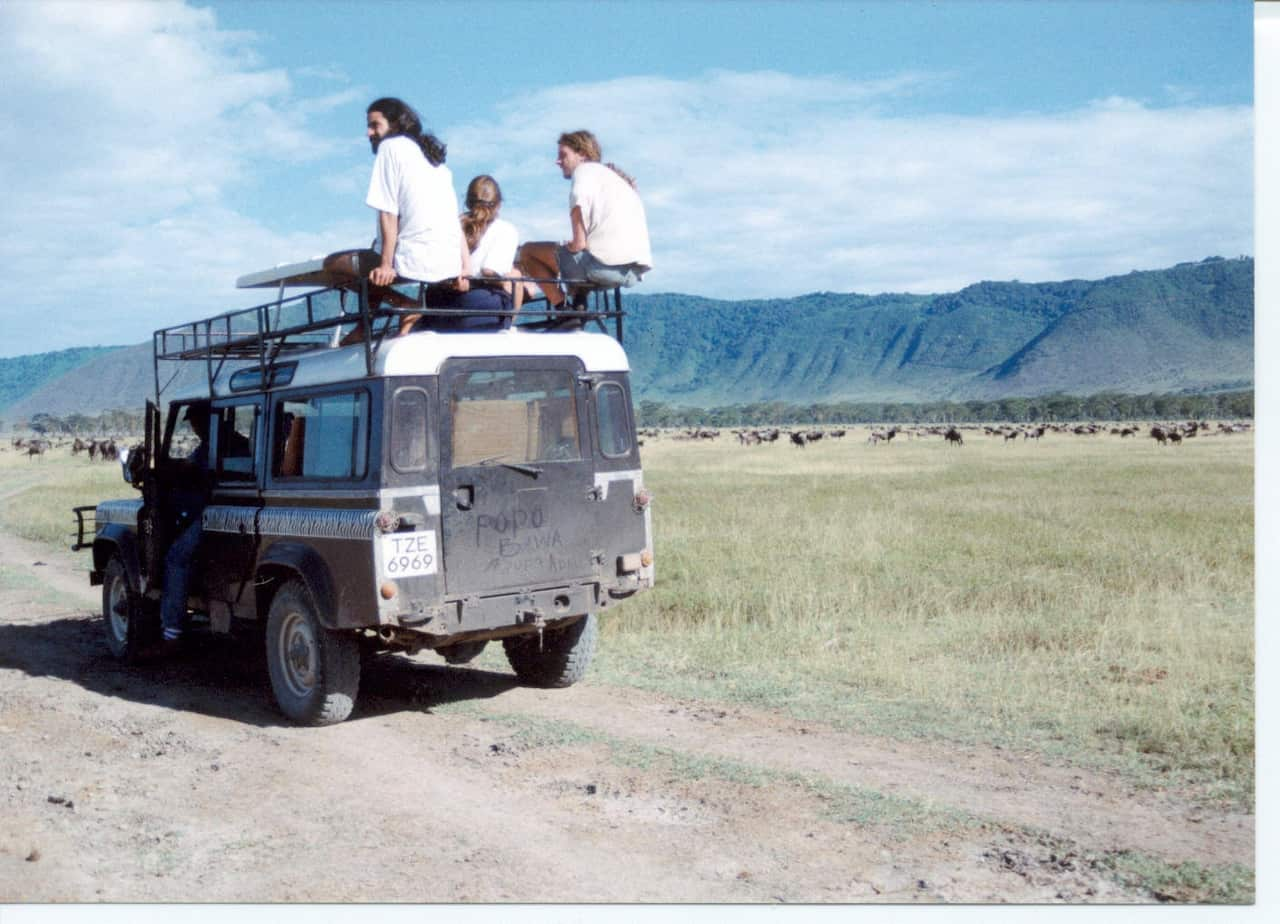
<point>1084,598</point>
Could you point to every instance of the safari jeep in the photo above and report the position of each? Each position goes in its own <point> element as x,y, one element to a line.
<point>441,489</point>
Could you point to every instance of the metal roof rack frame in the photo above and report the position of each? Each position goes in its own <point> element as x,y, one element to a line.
<point>286,326</point>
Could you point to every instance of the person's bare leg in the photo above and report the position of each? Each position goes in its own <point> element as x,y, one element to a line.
<point>378,295</point>
<point>538,259</point>
<point>515,288</point>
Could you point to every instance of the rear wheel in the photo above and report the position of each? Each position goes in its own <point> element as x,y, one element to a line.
<point>129,630</point>
<point>315,672</point>
<point>562,658</point>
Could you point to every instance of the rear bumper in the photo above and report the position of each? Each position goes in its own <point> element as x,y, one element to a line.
<point>500,615</point>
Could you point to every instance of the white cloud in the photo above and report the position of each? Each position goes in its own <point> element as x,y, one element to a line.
<point>134,135</point>
<point>771,184</point>
<point>124,131</point>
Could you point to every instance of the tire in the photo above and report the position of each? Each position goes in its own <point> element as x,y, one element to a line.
<point>564,656</point>
<point>315,672</point>
<point>129,629</point>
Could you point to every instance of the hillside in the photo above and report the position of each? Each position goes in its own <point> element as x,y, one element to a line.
<point>1187,328</point>
<point>22,375</point>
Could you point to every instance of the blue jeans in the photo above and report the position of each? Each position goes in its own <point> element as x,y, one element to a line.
<point>177,579</point>
<point>477,298</point>
<point>584,267</point>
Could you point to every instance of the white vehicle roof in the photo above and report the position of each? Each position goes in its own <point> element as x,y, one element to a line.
<point>423,353</point>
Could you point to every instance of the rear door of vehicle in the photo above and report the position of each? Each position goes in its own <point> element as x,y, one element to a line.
<point>517,476</point>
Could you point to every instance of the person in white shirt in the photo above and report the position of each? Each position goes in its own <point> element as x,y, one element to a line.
<point>491,243</point>
<point>418,234</point>
<point>610,242</point>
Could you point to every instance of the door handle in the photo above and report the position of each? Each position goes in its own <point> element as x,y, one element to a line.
<point>464,495</point>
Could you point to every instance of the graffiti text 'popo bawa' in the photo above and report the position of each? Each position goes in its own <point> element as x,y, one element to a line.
<point>435,490</point>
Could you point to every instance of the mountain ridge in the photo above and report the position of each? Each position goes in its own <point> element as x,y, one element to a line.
<point>1180,329</point>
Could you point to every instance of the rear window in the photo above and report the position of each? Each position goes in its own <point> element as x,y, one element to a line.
<point>409,430</point>
<point>525,415</point>
<point>615,429</point>
<point>325,436</point>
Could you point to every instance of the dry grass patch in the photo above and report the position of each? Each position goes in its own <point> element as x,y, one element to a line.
<point>1083,596</point>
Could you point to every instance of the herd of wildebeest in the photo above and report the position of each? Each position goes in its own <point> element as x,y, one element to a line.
<point>107,450</point>
<point>1163,433</point>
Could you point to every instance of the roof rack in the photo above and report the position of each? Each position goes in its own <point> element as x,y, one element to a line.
<point>264,333</point>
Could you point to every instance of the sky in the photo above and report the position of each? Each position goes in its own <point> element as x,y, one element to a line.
<point>151,153</point>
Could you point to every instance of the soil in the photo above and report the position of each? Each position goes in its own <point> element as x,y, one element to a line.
<point>179,781</point>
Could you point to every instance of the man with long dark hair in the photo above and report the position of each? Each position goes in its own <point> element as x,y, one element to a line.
<point>418,235</point>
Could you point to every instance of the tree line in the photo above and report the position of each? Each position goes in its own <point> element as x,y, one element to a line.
<point>1233,405</point>
<point>108,422</point>
<point>1103,406</point>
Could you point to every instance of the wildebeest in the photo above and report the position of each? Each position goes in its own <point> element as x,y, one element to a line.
<point>953,436</point>
<point>798,439</point>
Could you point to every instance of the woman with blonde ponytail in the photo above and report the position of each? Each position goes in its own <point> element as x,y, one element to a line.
<point>491,242</point>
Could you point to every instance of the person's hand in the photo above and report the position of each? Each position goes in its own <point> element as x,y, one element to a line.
<point>382,276</point>
<point>463,284</point>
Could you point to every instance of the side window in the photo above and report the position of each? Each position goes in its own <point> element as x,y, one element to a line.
<point>525,415</point>
<point>325,436</point>
<point>186,439</point>
<point>409,430</point>
<point>236,434</point>
<point>615,429</point>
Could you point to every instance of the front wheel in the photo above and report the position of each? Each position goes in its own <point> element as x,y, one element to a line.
<point>315,672</point>
<point>562,658</point>
<point>128,628</point>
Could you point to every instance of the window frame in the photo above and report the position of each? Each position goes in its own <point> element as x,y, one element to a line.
<point>278,438</point>
<point>628,426</point>
<point>524,365</point>
<point>219,473</point>
<point>428,439</point>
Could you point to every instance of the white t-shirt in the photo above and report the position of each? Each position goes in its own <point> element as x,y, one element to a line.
<point>404,183</point>
<point>496,249</point>
<point>617,232</point>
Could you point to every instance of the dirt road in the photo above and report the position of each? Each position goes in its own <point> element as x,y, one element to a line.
<point>180,782</point>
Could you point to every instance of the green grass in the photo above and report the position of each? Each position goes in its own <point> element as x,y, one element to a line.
<point>1088,598</point>
<point>1189,883</point>
<point>36,495</point>
<point>841,803</point>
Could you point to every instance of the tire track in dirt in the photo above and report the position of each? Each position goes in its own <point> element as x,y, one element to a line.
<point>179,782</point>
<point>1093,808</point>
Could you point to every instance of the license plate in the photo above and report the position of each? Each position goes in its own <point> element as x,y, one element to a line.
<point>408,554</point>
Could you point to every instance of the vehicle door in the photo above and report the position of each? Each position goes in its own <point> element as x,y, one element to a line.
<point>622,526</point>
<point>516,474</point>
<point>228,546</point>
<point>181,483</point>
